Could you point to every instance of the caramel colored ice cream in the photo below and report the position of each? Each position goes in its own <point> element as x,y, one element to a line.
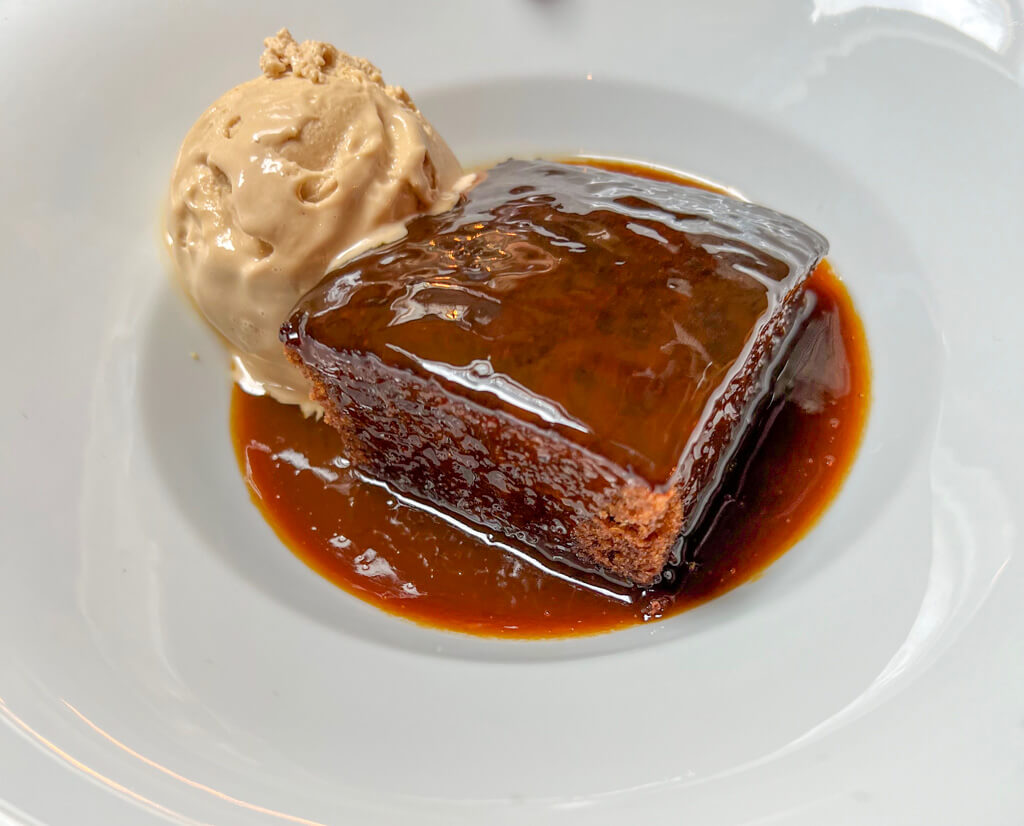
<point>282,175</point>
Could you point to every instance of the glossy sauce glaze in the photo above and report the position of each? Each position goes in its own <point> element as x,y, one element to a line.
<point>605,308</point>
<point>412,562</point>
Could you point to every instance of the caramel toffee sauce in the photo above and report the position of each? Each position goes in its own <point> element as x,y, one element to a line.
<point>415,563</point>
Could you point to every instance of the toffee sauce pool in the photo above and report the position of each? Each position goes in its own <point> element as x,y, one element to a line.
<point>413,563</point>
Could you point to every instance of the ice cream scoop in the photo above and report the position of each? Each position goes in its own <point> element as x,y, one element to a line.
<point>279,177</point>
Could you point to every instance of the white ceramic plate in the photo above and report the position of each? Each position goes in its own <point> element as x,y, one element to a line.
<point>164,658</point>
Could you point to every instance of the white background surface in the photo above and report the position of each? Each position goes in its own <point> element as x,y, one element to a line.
<point>164,658</point>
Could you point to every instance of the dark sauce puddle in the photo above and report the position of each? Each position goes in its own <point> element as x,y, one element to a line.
<point>415,564</point>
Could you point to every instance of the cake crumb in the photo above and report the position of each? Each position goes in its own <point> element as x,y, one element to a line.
<point>315,61</point>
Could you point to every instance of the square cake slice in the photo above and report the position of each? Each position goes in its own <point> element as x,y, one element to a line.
<point>568,357</point>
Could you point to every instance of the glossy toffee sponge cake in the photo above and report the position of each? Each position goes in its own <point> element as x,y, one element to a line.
<point>568,357</point>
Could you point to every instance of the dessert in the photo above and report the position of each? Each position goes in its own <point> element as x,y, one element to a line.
<point>569,356</point>
<point>570,400</point>
<point>283,174</point>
